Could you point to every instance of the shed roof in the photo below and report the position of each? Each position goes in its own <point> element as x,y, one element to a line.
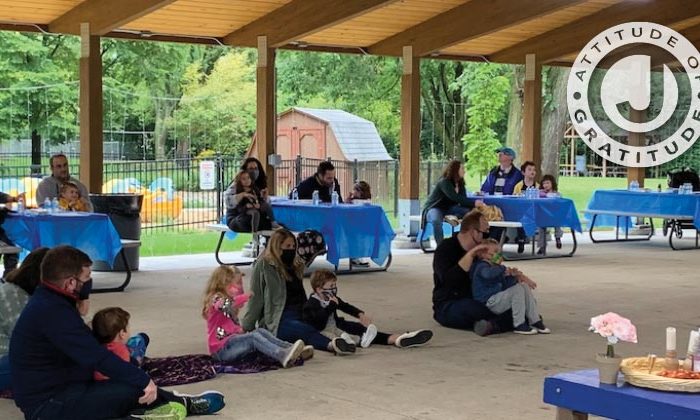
<point>357,137</point>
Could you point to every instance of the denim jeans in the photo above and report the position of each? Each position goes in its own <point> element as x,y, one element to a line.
<point>259,340</point>
<point>9,260</point>
<point>292,328</point>
<point>435,217</point>
<point>4,373</point>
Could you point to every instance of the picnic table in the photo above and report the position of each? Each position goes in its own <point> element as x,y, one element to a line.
<point>577,394</point>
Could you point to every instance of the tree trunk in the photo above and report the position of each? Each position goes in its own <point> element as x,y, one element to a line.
<point>515,111</point>
<point>554,117</point>
<point>164,110</point>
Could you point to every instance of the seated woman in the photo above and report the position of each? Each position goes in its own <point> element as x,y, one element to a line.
<point>14,294</point>
<point>449,197</point>
<point>244,212</point>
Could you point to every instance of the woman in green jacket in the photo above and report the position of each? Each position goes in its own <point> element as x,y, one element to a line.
<point>449,197</point>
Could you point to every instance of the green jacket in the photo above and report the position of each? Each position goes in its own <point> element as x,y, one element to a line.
<point>266,305</point>
<point>444,196</point>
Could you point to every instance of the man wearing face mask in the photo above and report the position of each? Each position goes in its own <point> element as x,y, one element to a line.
<point>453,305</point>
<point>323,181</point>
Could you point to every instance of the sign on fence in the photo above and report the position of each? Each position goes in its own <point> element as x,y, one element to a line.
<point>207,175</point>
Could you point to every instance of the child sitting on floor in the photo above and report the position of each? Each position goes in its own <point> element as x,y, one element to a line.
<point>228,342</point>
<point>110,326</point>
<point>70,199</point>
<point>501,288</point>
<point>320,311</point>
<point>548,188</point>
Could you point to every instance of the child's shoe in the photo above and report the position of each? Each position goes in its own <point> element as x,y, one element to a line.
<point>348,338</point>
<point>541,329</point>
<point>368,336</point>
<point>558,243</point>
<point>293,354</point>
<point>169,411</point>
<point>307,353</point>
<point>207,402</point>
<point>413,338</point>
<point>524,329</point>
<point>342,347</point>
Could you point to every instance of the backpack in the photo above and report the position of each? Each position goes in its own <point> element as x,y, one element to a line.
<point>681,176</point>
<point>310,244</point>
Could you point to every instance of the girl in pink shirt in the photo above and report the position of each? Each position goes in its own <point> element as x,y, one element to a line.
<point>227,341</point>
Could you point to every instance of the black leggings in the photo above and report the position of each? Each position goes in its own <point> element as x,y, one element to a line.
<point>355,328</point>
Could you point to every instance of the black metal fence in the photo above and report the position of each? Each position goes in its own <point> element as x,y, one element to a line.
<point>174,199</point>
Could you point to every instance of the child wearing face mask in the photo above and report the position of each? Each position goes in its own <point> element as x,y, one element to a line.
<point>227,341</point>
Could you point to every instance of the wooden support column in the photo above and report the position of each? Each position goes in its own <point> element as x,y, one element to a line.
<point>636,139</point>
<point>90,110</point>
<point>266,115</point>
<point>410,142</point>
<point>532,112</point>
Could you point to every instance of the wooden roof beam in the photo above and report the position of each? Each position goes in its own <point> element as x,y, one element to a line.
<point>471,20</point>
<point>300,18</point>
<point>573,36</point>
<point>104,15</point>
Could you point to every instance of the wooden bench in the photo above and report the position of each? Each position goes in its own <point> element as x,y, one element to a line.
<point>504,224</point>
<point>223,230</point>
<point>676,225</point>
<point>126,244</point>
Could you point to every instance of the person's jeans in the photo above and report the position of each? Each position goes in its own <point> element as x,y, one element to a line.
<point>520,299</point>
<point>9,260</point>
<point>435,217</point>
<point>259,340</point>
<point>292,328</point>
<point>462,313</point>
<point>4,373</point>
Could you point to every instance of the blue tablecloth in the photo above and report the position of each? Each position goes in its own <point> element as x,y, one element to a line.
<point>350,231</point>
<point>538,212</point>
<point>92,233</point>
<point>657,203</point>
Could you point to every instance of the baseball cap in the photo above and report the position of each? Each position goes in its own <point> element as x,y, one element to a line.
<point>506,150</point>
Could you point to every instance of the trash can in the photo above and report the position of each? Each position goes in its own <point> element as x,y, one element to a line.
<point>124,212</point>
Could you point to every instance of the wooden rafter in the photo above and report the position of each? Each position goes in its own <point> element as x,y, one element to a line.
<point>300,18</point>
<point>104,15</point>
<point>468,21</point>
<point>571,37</point>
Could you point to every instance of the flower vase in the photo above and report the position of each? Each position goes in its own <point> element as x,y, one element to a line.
<point>608,368</point>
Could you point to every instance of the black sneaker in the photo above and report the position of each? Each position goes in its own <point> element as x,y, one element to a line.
<point>541,329</point>
<point>342,347</point>
<point>207,402</point>
<point>521,247</point>
<point>524,329</point>
<point>558,243</point>
<point>483,328</point>
<point>540,251</point>
<point>413,338</point>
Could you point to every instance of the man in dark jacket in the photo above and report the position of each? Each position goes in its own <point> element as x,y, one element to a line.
<point>53,356</point>
<point>323,181</point>
<point>453,305</point>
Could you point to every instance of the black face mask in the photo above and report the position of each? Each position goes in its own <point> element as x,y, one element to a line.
<point>288,256</point>
<point>84,293</point>
<point>485,235</point>
<point>254,174</point>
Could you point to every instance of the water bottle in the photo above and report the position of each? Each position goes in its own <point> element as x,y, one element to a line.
<point>55,208</point>
<point>334,198</point>
<point>20,205</point>
<point>634,185</point>
<point>314,198</point>
<point>295,194</point>
<point>47,205</point>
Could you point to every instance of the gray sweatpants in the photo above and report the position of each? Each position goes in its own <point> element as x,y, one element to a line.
<point>520,299</point>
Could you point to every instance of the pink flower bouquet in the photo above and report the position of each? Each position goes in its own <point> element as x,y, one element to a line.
<point>615,328</point>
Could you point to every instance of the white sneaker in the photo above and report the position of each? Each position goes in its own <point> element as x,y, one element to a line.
<point>348,338</point>
<point>307,352</point>
<point>368,336</point>
<point>294,353</point>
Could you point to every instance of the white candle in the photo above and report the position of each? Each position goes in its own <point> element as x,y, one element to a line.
<point>670,339</point>
<point>693,342</point>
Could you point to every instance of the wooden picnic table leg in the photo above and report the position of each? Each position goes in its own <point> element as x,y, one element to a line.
<point>566,414</point>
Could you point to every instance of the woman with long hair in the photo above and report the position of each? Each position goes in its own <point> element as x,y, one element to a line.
<point>449,197</point>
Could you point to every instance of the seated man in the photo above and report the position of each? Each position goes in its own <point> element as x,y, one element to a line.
<point>323,181</point>
<point>50,187</point>
<point>53,356</point>
<point>453,304</point>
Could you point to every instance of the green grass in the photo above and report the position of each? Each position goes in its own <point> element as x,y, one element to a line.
<point>159,243</point>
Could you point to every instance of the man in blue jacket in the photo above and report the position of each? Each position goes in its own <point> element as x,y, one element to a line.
<point>53,357</point>
<point>503,178</point>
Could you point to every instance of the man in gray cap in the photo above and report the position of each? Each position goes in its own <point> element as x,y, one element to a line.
<point>503,178</point>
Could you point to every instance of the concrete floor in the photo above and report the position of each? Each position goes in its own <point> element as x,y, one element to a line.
<point>458,375</point>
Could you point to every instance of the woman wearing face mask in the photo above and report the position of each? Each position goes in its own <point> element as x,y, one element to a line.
<point>278,297</point>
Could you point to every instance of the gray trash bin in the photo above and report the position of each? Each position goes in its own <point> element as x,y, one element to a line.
<point>124,212</point>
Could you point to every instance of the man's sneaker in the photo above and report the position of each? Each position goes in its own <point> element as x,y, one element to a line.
<point>368,336</point>
<point>524,329</point>
<point>414,338</point>
<point>347,337</point>
<point>483,328</point>
<point>342,347</point>
<point>558,243</point>
<point>307,352</point>
<point>539,326</point>
<point>169,411</point>
<point>207,402</point>
<point>521,247</point>
<point>541,251</point>
<point>293,354</point>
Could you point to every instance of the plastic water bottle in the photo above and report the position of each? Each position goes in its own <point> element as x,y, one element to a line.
<point>634,185</point>
<point>55,208</point>
<point>20,205</point>
<point>295,194</point>
<point>334,198</point>
<point>47,204</point>
<point>314,198</point>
